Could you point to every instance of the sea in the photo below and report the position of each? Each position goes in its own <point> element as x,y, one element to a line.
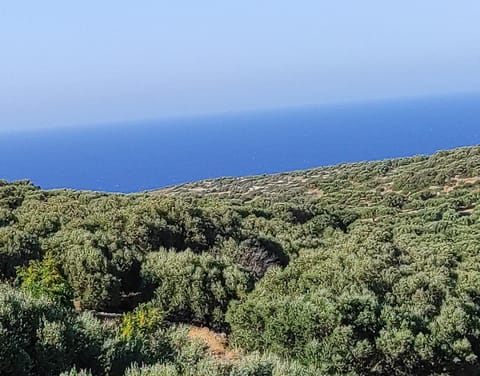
<point>145,155</point>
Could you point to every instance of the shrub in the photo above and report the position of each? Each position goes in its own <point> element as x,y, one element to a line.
<point>194,288</point>
<point>43,278</point>
<point>37,337</point>
<point>17,248</point>
<point>87,271</point>
<point>144,320</point>
<point>75,372</point>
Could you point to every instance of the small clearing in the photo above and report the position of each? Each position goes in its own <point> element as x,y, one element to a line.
<point>217,343</point>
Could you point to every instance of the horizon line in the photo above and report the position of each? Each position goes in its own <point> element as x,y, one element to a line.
<point>260,110</point>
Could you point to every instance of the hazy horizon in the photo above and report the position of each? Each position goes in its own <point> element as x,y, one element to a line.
<point>67,64</point>
<point>206,115</point>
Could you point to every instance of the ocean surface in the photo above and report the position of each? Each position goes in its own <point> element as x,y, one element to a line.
<point>138,156</point>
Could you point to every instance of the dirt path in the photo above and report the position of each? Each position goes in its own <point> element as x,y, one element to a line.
<point>217,343</point>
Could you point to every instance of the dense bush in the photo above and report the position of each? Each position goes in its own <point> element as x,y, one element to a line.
<point>359,269</point>
<point>249,366</point>
<point>142,320</point>
<point>367,305</point>
<point>37,337</point>
<point>194,288</point>
<point>17,248</point>
<point>42,278</point>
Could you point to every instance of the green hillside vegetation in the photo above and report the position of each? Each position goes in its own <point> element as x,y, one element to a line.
<point>368,268</point>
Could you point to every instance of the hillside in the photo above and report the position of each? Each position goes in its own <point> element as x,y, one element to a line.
<point>367,268</point>
<point>442,171</point>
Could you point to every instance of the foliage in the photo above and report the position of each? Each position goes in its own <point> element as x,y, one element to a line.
<point>362,269</point>
<point>17,248</point>
<point>254,365</point>
<point>194,288</point>
<point>37,336</point>
<point>75,372</point>
<point>142,321</point>
<point>42,278</point>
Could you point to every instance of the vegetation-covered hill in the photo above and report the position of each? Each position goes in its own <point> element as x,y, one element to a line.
<point>358,269</point>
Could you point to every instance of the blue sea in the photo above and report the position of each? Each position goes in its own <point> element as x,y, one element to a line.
<point>138,156</point>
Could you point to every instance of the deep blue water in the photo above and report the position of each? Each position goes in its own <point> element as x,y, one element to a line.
<point>146,155</point>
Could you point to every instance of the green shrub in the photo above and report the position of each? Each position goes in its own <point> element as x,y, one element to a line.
<point>143,320</point>
<point>38,337</point>
<point>42,278</point>
<point>87,271</point>
<point>75,372</point>
<point>17,248</point>
<point>191,287</point>
<point>154,370</point>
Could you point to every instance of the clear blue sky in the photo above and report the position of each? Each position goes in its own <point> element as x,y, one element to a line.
<point>80,62</point>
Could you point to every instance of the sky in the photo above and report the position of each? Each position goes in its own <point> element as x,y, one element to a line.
<point>66,63</point>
